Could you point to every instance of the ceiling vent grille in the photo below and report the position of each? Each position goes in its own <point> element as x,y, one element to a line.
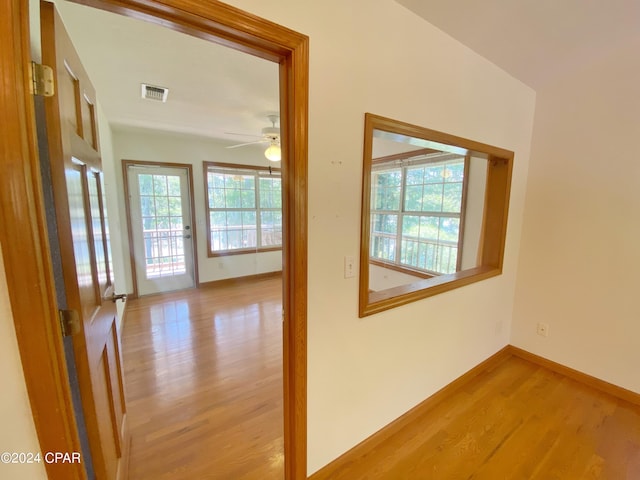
<point>153,92</point>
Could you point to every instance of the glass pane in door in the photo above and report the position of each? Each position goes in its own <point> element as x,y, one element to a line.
<point>162,228</point>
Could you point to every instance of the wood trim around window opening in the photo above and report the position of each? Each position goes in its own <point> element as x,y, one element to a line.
<point>231,166</point>
<point>403,156</point>
<point>23,235</point>
<point>401,269</point>
<point>494,224</point>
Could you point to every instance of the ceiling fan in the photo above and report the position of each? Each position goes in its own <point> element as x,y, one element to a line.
<point>270,135</point>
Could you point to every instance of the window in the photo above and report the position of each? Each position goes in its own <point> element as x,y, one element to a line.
<point>416,212</point>
<point>244,208</point>
<point>430,200</point>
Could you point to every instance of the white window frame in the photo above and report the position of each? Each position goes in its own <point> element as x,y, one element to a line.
<point>403,165</point>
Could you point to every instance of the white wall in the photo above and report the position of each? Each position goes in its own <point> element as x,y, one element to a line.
<point>145,145</point>
<point>580,254</point>
<point>474,213</point>
<point>116,217</point>
<point>18,432</point>
<point>579,250</point>
<point>376,56</point>
<point>381,278</point>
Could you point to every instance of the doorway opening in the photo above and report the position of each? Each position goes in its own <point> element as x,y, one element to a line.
<point>161,238</point>
<point>222,24</point>
<point>160,207</point>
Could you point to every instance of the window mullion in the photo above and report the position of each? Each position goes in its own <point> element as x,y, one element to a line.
<point>400,221</point>
<point>438,253</point>
<point>258,212</point>
<point>435,214</point>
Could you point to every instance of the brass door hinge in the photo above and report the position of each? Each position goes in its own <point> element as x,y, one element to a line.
<point>69,322</point>
<point>42,82</point>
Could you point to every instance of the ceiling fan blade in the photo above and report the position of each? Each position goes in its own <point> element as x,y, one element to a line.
<point>245,144</point>
<point>242,134</point>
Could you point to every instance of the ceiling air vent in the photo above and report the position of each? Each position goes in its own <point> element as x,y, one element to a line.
<point>153,92</point>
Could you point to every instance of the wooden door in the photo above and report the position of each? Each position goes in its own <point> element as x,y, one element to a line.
<point>84,242</point>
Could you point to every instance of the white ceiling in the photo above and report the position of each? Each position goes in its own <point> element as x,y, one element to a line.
<point>534,40</point>
<point>212,89</point>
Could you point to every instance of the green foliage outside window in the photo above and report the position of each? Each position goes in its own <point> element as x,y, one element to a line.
<point>415,219</point>
<point>245,209</point>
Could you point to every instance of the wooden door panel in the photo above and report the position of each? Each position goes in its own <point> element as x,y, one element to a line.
<point>68,90</point>
<point>82,227</point>
<point>119,381</point>
<point>110,401</point>
<point>115,386</point>
<point>109,434</point>
<point>88,122</point>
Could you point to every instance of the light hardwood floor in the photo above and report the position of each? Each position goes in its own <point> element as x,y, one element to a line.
<point>517,421</point>
<point>204,388</point>
<point>203,374</point>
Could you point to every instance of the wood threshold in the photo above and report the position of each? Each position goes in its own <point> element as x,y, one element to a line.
<point>408,418</point>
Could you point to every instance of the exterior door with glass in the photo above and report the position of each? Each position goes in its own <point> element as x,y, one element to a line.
<point>161,228</point>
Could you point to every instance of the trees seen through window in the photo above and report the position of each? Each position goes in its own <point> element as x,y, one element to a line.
<point>244,208</point>
<point>416,212</point>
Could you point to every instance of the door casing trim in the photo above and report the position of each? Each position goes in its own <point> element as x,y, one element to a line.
<point>25,250</point>
<point>23,234</point>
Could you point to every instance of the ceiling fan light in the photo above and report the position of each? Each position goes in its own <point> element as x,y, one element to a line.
<point>273,152</point>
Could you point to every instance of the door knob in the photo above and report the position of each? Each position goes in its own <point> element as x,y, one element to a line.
<point>118,296</point>
<point>187,236</point>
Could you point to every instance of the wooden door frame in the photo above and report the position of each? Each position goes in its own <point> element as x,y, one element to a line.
<point>23,233</point>
<point>127,206</point>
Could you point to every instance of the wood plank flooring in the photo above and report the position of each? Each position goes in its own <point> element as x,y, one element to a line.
<point>516,421</point>
<point>203,373</point>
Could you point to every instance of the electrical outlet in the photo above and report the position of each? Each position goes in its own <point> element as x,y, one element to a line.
<point>543,329</point>
<point>349,266</point>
